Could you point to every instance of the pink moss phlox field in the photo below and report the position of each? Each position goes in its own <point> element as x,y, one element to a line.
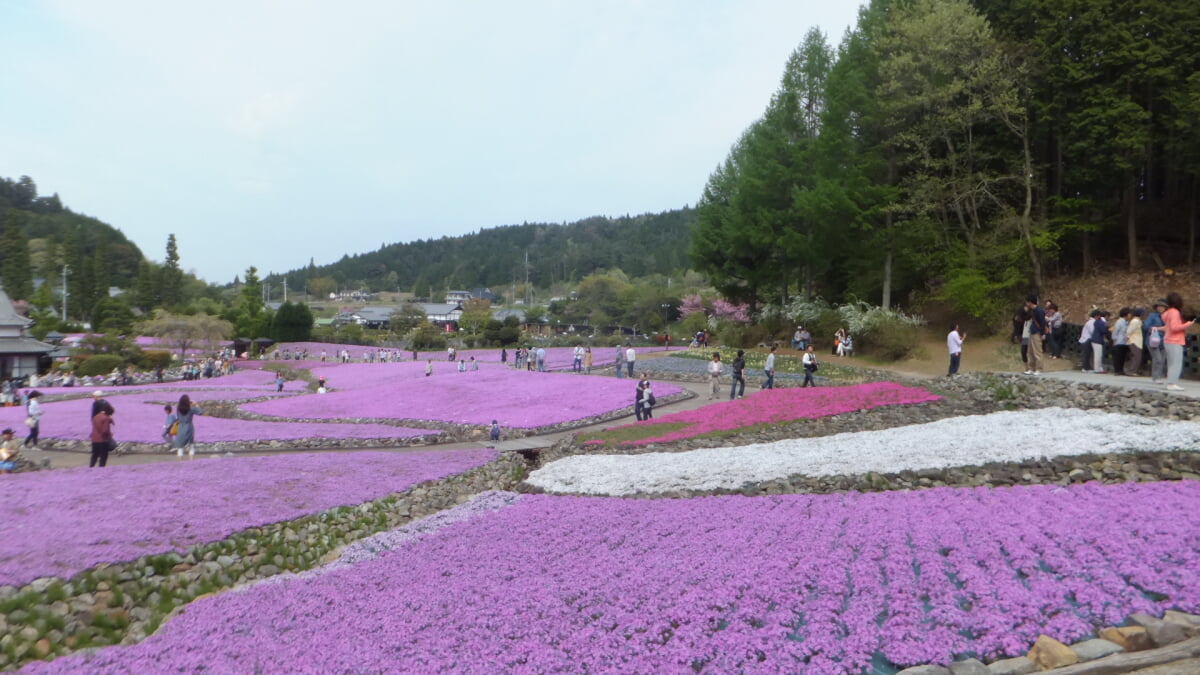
<point>139,418</point>
<point>557,358</point>
<point>776,406</point>
<point>124,512</point>
<point>515,398</point>
<point>793,583</point>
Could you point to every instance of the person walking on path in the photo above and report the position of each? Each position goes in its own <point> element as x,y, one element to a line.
<point>102,437</point>
<point>620,361</point>
<point>1154,343</point>
<point>33,418</point>
<point>954,343</point>
<point>185,436</point>
<point>98,403</point>
<point>739,376</point>
<point>648,402</point>
<point>1174,338</point>
<point>577,359</point>
<point>1038,329</point>
<point>714,375</point>
<point>630,359</point>
<point>639,399</point>
<point>541,359</point>
<point>809,361</point>
<point>769,369</point>
<point>494,434</point>
<point>587,361</point>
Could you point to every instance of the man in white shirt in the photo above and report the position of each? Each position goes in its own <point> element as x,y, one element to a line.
<point>954,342</point>
<point>630,358</point>
<point>1085,347</point>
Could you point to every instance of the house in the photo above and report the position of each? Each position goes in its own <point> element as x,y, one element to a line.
<point>20,354</point>
<point>442,312</point>
<point>458,296</point>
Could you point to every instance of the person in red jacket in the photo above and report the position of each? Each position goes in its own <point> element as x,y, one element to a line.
<point>102,437</point>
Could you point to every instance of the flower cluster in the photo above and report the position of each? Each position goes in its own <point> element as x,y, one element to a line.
<point>963,441</point>
<point>795,583</point>
<point>777,406</point>
<point>125,512</point>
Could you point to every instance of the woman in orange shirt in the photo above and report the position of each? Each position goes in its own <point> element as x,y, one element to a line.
<point>1174,338</point>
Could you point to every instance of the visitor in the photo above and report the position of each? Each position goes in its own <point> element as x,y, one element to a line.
<point>587,361</point>
<point>648,401</point>
<point>101,437</point>
<point>462,366</point>
<point>638,402</point>
<point>1136,342</point>
<point>1085,341</point>
<point>494,434</point>
<point>1054,319</point>
<point>954,343</point>
<point>428,367</point>
<point>1154,343</point>
<point>1038,328</point>
<point>714,375</point>
<point>1099,333</point>
<point>33,419</point>
<point>630,358</point>
<point>837,341</point>
<point>9,448</point>
<point>185,431</point>
<point>769,370</point>
<point>620,361</point>
<point>739,370</point>
<point>279,382</point>
<point>1120,341</point>
<point>577,359</point>
<point>1174,338</point>
<point>805,339</point>
<point>503,356</point>
<point>796,338</point>
<point>809,361</point>
<point>169,429</point>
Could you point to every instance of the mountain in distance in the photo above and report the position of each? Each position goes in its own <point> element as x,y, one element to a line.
<point>638,245</point>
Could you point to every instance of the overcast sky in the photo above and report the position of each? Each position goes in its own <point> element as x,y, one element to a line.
<point>267,133</point>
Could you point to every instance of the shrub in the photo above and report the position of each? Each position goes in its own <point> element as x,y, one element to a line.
<point>98,364</point>
<point>154,359</point>
<point>891,340</point>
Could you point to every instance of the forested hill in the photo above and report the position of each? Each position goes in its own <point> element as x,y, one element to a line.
<point>38,235</point>
<point>638,245</point>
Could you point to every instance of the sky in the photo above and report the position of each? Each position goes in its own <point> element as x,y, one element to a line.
<point>269,133</point>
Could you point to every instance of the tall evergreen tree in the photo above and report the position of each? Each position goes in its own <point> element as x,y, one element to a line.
<point>14,258</point>
<point>170,285</point>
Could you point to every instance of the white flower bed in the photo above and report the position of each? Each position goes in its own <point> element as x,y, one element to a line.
<point>962,441</point>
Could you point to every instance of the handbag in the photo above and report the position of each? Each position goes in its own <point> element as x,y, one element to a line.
<point>174,430</point>
<point>30,422</point>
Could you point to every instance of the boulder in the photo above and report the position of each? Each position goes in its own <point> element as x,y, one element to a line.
<point>1018,666</point>
<point>1090,650</point>
<point>969,667</point>
<point>1048,653</point>
<point>1130,638</point>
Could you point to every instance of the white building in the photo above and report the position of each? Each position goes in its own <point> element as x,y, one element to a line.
<point>19,353</point>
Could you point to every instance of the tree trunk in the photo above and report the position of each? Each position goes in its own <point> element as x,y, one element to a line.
<point>1192,220</point>
<point>1131,219</point>
<point>886,301</point>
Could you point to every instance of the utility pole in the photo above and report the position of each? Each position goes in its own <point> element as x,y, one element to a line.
<point>66,270</point>
<point>285,289</point>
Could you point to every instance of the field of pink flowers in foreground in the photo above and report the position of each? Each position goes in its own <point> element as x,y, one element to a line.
<point>777,406</point>
<point>795,583</point>
<point>124,512</point>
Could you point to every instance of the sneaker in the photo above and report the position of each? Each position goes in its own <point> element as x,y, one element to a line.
<point>1037,372</point>
<point>1029,372</point>
<point>1174,387</point>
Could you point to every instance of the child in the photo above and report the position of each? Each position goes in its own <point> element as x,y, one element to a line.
<point>8,451</point>
<point>474,364</point>
<point>428,367</point>
<point>462,366</point>
<point>495,434</point>
<point>169,428</point>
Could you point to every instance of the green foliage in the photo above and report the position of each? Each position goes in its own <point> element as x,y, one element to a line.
<point>292,323</point>
<point>91,365</point>
<point>112,316</point>
<point>427,337</point>
<point>154,358</point>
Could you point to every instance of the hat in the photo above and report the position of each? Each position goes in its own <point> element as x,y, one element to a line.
<point>97,393</point>
<point>1160,301</point>
<point>6,432</point>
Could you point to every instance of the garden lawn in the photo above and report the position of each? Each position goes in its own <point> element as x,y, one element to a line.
<point>769,406</point>
<point>124,512</point>
<point>794,583</point>
<point>961,441</point>
<point>516,398</point>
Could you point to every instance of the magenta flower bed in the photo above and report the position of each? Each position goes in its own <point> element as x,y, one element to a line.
<point>797,583</point>
<point>517,399</point>
<point>557,358</point>
<point>124,512</point>
<point>139,419</point>
<point>776,406</point>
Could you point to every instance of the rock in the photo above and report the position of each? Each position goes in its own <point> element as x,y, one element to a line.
<point>1161,632</point>
<point>1048,653</point>
<point>41,648</point>
<point>928,669</point>
<point>1090,650</point>
<point>1018,666</point>
<point>1182,618</point>
<point>28,633</point>
<point>226,561</point>
<point>181,567</point>
<point>40,584</point>
<point>1129,638</point>
<point>969,667</point>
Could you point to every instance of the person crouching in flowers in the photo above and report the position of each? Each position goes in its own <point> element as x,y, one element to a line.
<point>169,429</point>
<point>185,434</point>
<point>8,451</point>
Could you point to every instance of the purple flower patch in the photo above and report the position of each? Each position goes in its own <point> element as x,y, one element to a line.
<point>124,512</point>
<point>795,583</point>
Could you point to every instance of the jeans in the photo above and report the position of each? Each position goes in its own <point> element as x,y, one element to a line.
<point>1085,355</point>
<point>637,409</point>
<point>620,370</point>
<point>955,359</point>
<point>1174,362</point>
<point>32,438</point>
<point>770,383</point>
<point>99,453</point>
<point>630,365</point>
<point>733,389</point>
<point>808,379</point>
